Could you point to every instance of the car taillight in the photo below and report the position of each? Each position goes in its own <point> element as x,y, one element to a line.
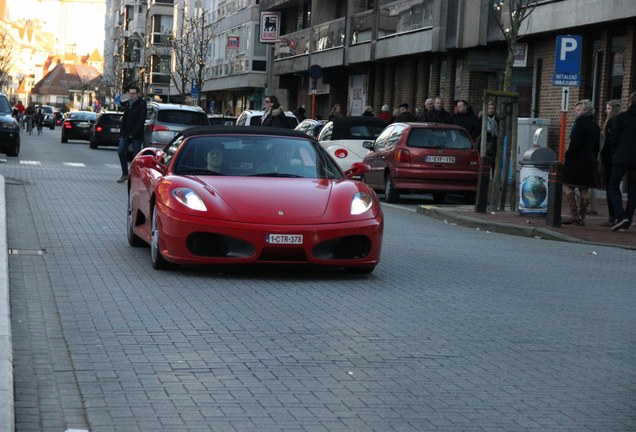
<point>403,155</point>
<point>98,129</point>
<point>341,153</point>
<point>158,128</point>
<point>68,125</point>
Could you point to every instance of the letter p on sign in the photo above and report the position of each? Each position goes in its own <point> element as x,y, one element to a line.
<point>568,54</point>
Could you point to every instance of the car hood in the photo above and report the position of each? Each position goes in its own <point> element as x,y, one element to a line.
<point>269,200</point>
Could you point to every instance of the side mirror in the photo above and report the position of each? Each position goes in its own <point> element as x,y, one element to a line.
<point>367,145</point>
<point>357,169</point>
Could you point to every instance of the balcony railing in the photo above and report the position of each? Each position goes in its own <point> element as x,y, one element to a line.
<point>361,27</point>
<point>405,15</point>
<point>293,44</point>
<point>329,35</point>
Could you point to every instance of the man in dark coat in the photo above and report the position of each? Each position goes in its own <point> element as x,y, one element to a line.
<point>624,161</point>
<point>579,170</point>
<point>132,129</point>
<point>466,118</point>
<point>405,115</point>
<point>438,114</point>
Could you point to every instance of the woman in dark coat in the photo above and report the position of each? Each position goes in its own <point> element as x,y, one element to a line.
<point>579,171</point>
<point>274,114</point>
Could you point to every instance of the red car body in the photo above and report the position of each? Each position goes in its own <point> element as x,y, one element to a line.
<point>247,214</point>
<point>425,158</point>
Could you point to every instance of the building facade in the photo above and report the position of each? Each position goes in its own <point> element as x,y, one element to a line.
<point>392,52</point>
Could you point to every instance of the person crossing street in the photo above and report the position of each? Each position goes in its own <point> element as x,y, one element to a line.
<point>132,130</point>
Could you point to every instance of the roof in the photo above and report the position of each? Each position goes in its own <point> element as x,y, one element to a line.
<point>65,77</point>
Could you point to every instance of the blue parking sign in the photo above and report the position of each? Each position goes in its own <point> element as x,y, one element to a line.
<point>567,63</point>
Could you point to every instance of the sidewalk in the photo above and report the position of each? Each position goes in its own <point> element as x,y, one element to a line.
<point>509,222</point>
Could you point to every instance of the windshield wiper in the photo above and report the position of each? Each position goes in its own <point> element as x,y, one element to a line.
<point>275,174</point>
<point>199,171</point>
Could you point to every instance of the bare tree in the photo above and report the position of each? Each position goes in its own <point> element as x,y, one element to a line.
<point>509,15</point>
<point>190,45</point>
<point>6,59</point>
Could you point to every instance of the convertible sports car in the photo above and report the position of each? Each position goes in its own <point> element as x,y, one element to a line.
<point>231,194</point>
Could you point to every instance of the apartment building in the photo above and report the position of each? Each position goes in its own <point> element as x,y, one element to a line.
<point>379,52</point>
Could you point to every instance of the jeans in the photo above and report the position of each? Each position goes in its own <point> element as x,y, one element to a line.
<point>615,195</point>
<point>122,151</point>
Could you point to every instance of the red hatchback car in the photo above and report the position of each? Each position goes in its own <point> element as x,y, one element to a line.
<point>423,157</point>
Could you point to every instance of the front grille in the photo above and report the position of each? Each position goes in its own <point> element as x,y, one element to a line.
<point>218,246</point>
<point>350,247</point>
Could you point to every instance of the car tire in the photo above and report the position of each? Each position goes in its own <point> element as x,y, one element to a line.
<point>92,144</point>
<point>64,139</point>
<point>470,197</point>
<point>14,150</point>
<point>391,194</point>
<point>52,127</point>
<point>133,239</point>
<point>158,261</point>
<point>439,197</point>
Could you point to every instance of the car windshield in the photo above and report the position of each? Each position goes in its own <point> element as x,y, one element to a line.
<point>183,117</point>
<point>254,155</point>
<point>4,105</point>
<point>439,139</point>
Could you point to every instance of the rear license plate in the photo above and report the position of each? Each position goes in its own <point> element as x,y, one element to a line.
<point>114,130</point>
<point>83,125</point>
<point>440,159</point>
<point>284,239</point>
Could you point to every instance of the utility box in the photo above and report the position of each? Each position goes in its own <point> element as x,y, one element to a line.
<point>531,133</point>
<point>533,185</point>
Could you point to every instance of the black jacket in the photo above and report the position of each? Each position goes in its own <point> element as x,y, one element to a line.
<point>468,121</point>
<point>623,138</point>
<point>132,123</point>
<point>435,116</point>
<point>581,157</point>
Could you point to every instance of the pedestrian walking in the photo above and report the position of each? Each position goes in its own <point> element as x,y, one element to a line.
<point>623,137</point>
<point>612,109</point>
<point>438,114</point>
<point>579,171</point>
<point>492,130</point>
<point>428,109</point>
<point>132,129</point>
<point>466,118</point>
<point>336,111</point>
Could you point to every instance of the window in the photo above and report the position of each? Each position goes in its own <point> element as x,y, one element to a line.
<point>616,63</point>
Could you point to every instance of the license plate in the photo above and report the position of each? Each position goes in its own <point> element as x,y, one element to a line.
<point>114,130</point>
<point>83,125</point>
<point>440,159</point>
<point>284,239</point>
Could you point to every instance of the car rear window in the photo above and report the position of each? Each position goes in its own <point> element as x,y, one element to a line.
<point>110,119</point>
<point>439,139</point>
<point>183,117</point>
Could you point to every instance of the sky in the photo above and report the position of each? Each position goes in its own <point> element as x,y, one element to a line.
<point>79,22</point>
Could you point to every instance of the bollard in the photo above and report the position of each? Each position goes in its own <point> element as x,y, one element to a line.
<point>481,201</point>
<point>555,195</point>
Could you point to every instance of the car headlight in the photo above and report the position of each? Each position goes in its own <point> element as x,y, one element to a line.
<point>189,198</point>
<point>360,203</point>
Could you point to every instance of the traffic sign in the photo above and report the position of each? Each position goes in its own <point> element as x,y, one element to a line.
<point>567,64</point>
<point>565,99</point>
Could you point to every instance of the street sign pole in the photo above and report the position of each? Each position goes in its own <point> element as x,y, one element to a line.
<point>565,102</point>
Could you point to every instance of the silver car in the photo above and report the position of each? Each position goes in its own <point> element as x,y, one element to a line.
<point>164,121</point>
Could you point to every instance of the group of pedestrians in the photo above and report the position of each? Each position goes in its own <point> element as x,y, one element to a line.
<point>28,117</point>
<point>618,161</point>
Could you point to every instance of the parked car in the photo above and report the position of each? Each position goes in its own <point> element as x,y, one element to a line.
<point>423,157</point>
<point>253,118</point>
<point>342,137</point>
<point>311,127</point>
<point>49,117</point>
<point>105,130</point>
<point>237,195</point>
<point>9,128</point>
<point>77,125</point>
<point>221,120</point>
<point>164,121</point>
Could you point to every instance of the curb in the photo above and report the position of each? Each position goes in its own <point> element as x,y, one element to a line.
<point>7,420</point>
<point>451,216</point>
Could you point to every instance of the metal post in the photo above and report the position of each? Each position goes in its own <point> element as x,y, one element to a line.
<point>555,194</point>
<point>482,185</point>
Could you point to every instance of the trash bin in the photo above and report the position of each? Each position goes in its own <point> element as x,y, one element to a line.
<point>533,185</point>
